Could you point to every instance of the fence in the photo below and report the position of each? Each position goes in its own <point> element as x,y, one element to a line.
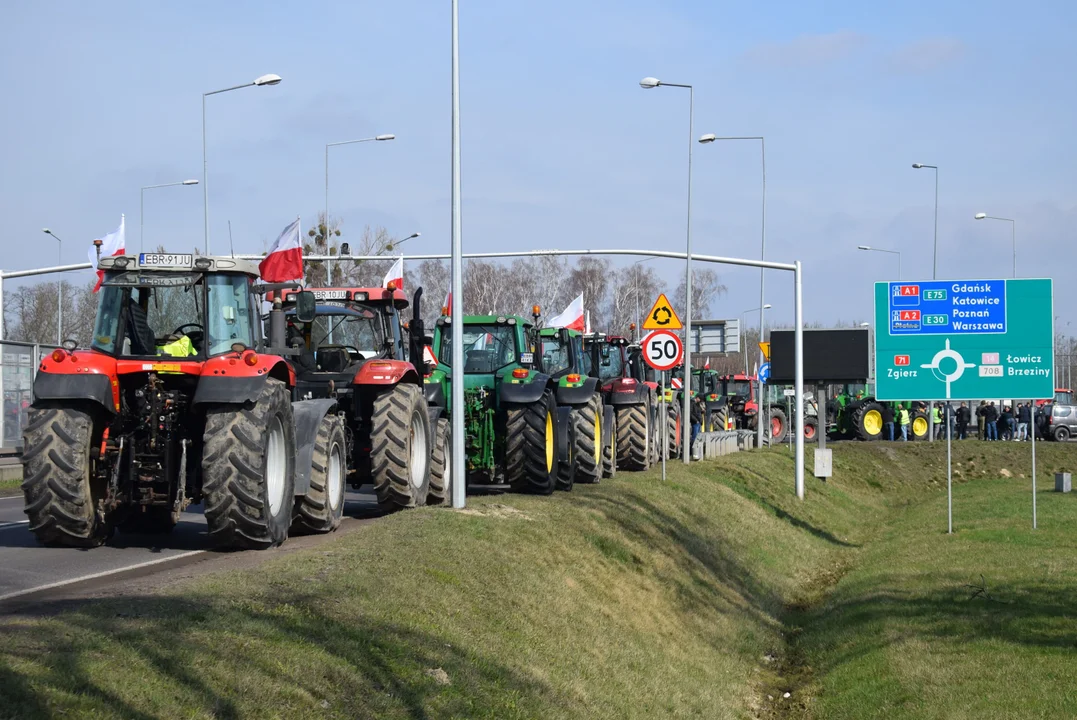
<point>18,365</point>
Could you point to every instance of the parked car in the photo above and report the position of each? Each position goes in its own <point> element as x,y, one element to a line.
<point>1061,422</point>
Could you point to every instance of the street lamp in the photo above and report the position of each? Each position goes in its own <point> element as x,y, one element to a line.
<point>1013,234</point>
<point>376,138</point>
<point>935,254</point>
<point>260,81</point>
<point>883,250</point>
<point>743,323</point>
<point>648,83</point>
<point>142,204</point>
<point>706,140</point>
<point>59,288</point>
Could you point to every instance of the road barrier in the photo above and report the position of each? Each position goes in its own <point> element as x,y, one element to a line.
<point>715,444</point>
<point>18,366</point>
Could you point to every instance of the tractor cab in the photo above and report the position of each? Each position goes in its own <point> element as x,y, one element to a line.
<point>606,357</point>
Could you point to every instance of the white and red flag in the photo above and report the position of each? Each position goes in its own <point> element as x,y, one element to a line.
<point>707,365</point>
<point>111,244</point>
<point>571,318</point>
<point>395,275</point>
<point>284,261</point>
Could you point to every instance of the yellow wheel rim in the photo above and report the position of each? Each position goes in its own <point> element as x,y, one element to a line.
<point>919,426</point>
<point>873,422</point>
<point>549,442</point>
<point>598,440</point>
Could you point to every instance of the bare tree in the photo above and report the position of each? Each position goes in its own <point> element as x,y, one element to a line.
<point>30,312</point>
<point>357,273</point>
<point>705,288</point>
<point>634,288</point>
<point>590,277</point>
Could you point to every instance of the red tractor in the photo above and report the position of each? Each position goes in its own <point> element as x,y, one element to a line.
<point>355,350</point>
<point>644,373</point>
<point>180,400</point>
<point>741,409</point>
<point>633,399</point>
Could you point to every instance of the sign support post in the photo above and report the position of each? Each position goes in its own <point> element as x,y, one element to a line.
<point>949,477</point>
<point>665,428</point>
<point>1032,416</point>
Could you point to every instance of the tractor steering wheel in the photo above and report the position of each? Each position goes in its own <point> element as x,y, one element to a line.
<point>187,325</point>
<point>195,336</point>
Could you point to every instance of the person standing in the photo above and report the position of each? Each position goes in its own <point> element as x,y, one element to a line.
<point>888,422</point>
<point>936,412</point>
<point>1009,424</point>
<point>1024,417</point>
<point>991,421</point>
<point>903,419</point>
<point>981,419</point>
<point>964,415</point>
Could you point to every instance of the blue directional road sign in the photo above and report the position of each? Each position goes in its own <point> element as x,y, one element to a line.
<point>764,373</point>
<point>964,339</point>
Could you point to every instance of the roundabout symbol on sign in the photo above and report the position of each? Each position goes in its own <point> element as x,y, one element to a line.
<point>663,350</point>
<point>948,377</point>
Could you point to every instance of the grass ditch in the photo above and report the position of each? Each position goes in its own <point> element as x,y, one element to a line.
<point>709,595</point>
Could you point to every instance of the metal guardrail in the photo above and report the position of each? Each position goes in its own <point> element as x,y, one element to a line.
<point>18,366</point>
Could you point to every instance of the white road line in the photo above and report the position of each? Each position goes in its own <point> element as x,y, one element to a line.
<point>13,523</point>
<point>94,576</point>
<point>11,498</point>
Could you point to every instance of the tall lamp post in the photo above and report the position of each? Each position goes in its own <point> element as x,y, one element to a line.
<point>59,288</point>
<point>743,323</point>
<point>648,83</point>
<point>376,138</point>
<point>142,205</point>
<point>1013,234</point>
<point>263,80</point>
<point>883,250</point>
<point>709,138</point>
<point>934,271</point>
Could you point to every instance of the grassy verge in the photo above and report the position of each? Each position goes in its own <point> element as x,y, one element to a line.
<point>10,487</point>
<point>631,599</point>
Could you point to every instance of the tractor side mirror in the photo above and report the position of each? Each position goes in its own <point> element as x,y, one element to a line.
<point>305,306</point>
<point>564,335</point>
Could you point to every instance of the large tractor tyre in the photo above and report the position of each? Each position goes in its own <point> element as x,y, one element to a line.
<point>778,426</point>
<point>868,421</point>
<point>673,425</point>
<point>720,420</point>
<point>248,470</point>
<point>609,455</point>
<point>588,440</point>
<point>61,496</point>
<point>400,449</point>
<point>148,520</point>
<point>441,465</point>
<point>530,446</point>
<point>918,425</point>
<point>633,428</point>
<point>811,429</point>
<point>322,508</point>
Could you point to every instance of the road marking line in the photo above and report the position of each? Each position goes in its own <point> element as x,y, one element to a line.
<point>94,576</point>
<point>11,497</point>
<point>13,523</point>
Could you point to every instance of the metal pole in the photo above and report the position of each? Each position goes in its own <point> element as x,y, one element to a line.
<point>949,481</point>
<point>205,180</point>
<point>762,302</point>
<point>821,420</point>
<point>798,359</point>
<point>899,267</point>
<point>325,229</point>
<point>687,419</point>
<point>665,427</point>
<point>1032,412</point>
<point>1013,238</point>
<point>935,260</point>
<point>141,215</point>
<point>457,349</point>
<point>2,316</point>
<point>59,294</point>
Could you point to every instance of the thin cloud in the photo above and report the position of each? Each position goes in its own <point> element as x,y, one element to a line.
<point>927,55</point>
<point>808,50</point>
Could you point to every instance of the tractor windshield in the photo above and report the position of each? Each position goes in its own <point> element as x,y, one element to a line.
<point>148,314</point>
<point>739,388</point>
<point>356,327</point>
<point>611,364</point>
<point>695,382</point>
<point>556,357</point>
<point>487,348</point>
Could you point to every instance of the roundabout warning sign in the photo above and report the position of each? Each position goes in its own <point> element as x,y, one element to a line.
<point>661,316</point>
<point>964,340</point>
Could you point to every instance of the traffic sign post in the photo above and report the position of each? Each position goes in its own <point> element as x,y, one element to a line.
<point>965,340</point>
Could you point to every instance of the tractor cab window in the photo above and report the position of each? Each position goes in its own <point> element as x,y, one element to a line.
<point>487,348</point>
<point>556,357</point>
<point>611,363</point>
<point>228,312</point>
<point>741,389</point>
<point>695,382</point>
<point>341,335</point>
<point>151,314</point>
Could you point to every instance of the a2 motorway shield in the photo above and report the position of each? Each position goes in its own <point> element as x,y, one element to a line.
<point>964,340</point>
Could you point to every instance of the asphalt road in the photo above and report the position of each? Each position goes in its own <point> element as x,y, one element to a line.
<point>27,567</point>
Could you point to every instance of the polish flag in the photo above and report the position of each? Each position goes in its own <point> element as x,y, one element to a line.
<point>285,258</point>
<point>571,318</point>
<point>395,274</point>
<point>707,365</point>
<point>111,244</point>
<point>446,309</point>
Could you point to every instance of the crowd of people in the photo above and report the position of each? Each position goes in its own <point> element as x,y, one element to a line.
<point>1008,422</point>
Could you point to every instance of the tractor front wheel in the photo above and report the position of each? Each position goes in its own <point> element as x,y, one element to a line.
<point>400,455</point>
<point>61,496</point>
<point>633,426</point>
<point>322,508</point>
<point>587,426</point>
<point>441,465</point>
<point>531,447</point>
<point>248,470</point>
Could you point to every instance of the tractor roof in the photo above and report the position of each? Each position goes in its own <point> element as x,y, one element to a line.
<point>615,340</point>
<point>553,331</point>
<point>179,262</point>
<point>487,320</point>
<point>371,296</point>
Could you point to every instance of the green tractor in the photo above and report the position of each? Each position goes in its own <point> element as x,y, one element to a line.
<point>854,413</point>
<point>510,411</point>
<point>592,435</point>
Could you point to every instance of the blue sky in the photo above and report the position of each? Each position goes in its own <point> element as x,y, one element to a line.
<point>561,147</point>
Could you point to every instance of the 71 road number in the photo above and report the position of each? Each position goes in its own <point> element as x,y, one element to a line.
<point>662,350</point>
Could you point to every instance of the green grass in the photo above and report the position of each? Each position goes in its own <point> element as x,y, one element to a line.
<point>698,597</point>
<point>10,487</point>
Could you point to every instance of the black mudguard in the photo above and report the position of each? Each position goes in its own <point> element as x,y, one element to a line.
<point>637,397</point>
<point>563,433</point>
<point>81,386</point>
<point>577,395</point>
<point>607,425</point>
<point>229,390</point>
<point>434,412</point>
<point>435,394</point>
<point>308,415</point>
<point>524,393</point>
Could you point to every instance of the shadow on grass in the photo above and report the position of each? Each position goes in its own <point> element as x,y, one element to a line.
<point>195,656</point>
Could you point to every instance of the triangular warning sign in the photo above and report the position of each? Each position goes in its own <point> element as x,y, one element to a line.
<point>661,316</point>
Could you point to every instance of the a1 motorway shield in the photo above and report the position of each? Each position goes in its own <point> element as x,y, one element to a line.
<point>964,340</point>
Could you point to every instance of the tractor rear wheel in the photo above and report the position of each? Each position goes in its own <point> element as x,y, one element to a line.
<point>441,465</point>
<point>778,425</point>
<point>673,425</point>
<point>61,496</point>
<point>531,446</point>
<point>322,508</point>
<point>588,440</point>
<point>400,447</point>
<point>868,421</point>
<point>609,454</point>
<point>633,428</point>
<point>720,420</point>
<point>248,470</point>
<point>811,428</point>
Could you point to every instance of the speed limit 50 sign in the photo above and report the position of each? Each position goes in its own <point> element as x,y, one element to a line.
<point>663,350</point>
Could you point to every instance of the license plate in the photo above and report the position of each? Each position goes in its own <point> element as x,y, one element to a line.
<point>165,260</point>
<point>330,294</point>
